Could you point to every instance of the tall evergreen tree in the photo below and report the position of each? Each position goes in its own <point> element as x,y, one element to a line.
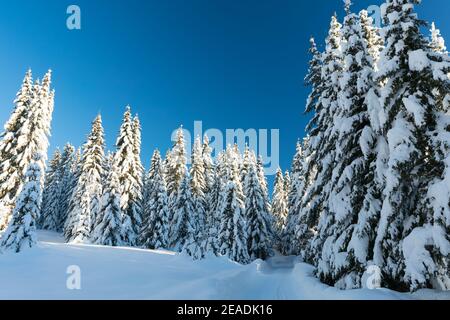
<point>21,232</point>
<point>125,158</point>
<point>84,204</point>
<point>49,218</point>
<point>410,73</point>
<point>323,137</point>
<point>183,208</point>
<point>232,234</point>
<point>26,133</point>
<point>155,230</point>
<point>257,230</point>
<point>353,163</point>
<point>199,191</point>
<point>68,180</point>
<point>279,204</point>
<point>107,230</point>
<point>176,165</point>
<point>139,170</point>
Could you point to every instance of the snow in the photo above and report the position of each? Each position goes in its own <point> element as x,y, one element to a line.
<point>418,60</point>
<point>416,109</point>
<point>130,273</point>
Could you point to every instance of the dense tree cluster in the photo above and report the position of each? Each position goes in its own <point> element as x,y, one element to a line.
<point>370,182</point>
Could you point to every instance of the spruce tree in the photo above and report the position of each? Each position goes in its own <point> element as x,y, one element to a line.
<point>323,137</point>
<point>68,180</point>
<point>411,74</point>
<point>155,230</point>
<point>84,204</point>
<point>107,230</point>
<point>182,208</point>
<point>257,230</point>
<point>198,191</point>
<point>353,164</point>
<point>50,215</point>
<point>279,204</point>
<point>129,180</point>
<point>176,165</point>
<point>26,133</point>
<point>232,234</point>
<point>21,232</point>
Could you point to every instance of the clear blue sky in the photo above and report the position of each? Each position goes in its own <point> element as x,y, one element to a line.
<point>229,63</point>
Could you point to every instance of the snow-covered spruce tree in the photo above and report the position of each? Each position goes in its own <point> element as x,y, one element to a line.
<point>279,204</point>
<point>125,159</point>
<point>155,228</point>
<point>214,205</point>
<point>373,41</point>
<point>156,164</point>
<point>352,176</point>
<point>67,183</point>
<point>49,217</point>
<point>21,232</point>
<point>210,196</point>
<point>437,42</point>
<point>42,110</point>
<point>323,137</point>
<point>257,230</point>
<point>299,231</point>
<point>294,195</point>
<point>232,235</point>
<point>26,133</point>
<point>10,173</point>
<point>198,191</point>
<point>183,209</point>
<point>176,165</point>
<point>107,230</point>
<point>139,171</point>
<point>84,204</point>
<point>194,244</point>
<point>412,246</point>
<point>302,198</point>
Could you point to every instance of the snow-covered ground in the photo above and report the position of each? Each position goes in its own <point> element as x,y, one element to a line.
<point>127,273</point>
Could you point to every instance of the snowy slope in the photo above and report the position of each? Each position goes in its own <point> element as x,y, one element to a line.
<point>127,273</point>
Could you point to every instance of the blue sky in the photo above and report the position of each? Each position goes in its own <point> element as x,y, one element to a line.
<point>228,63</point>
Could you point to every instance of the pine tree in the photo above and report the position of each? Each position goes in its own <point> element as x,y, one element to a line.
<point>129,181</point>
<point>323,137</point>
<point>279,204</point>
<point>26,133</point>
<point>257,229</point>
<point>50,215</point>
<point>212,245</point>
<point>411,73</point>
<point>299,230</point>
<point>211,194</point>
<point>107,230</point>
<point>183,208</point>
<point>353,163</point>
<point>139,171</point>
<point>198,191</point>
<point>84,204</point>
<point>155,230</point>
<point>194,244</point>
<point>232,235</point>
<point>148,196</point>
<point>176,165</point>
<point>21,232</point>
<point>68,181</point>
